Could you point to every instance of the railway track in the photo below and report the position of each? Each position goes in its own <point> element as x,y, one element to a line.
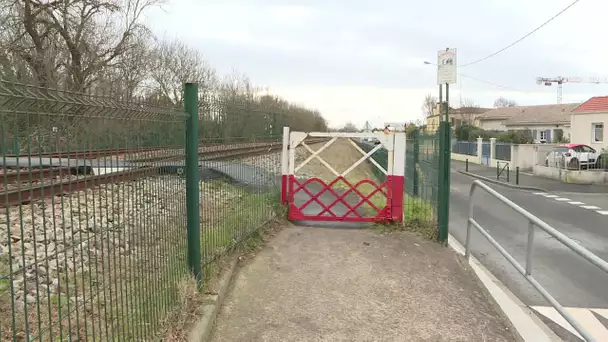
<point>49,181</point>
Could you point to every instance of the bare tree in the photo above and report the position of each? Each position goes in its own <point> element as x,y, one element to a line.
<point>175,63</point>
<point>78,37</point>
<point>429,104</point>
<point>469,103</point>
<point>502,102</point>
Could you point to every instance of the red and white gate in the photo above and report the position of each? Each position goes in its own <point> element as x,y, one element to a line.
<point>313,199</point>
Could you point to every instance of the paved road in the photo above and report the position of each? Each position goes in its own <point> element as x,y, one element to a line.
<point>570,279</point>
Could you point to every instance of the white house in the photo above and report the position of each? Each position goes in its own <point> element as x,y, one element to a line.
<point>589,122</point>
<point>544,122</point>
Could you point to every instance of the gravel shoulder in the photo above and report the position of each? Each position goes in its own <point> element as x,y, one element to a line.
<point>319,284</point>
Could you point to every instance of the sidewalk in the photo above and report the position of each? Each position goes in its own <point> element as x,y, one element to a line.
<point>328,284</point>
<point>527,179</point>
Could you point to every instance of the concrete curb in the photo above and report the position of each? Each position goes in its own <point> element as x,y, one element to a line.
<point>527,325</point>
<point>201,330</point>
<point>520,187</point>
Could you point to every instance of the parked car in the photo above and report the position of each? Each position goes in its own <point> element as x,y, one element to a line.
<point>572,156</point>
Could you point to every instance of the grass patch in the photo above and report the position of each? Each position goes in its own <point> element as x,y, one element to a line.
<point>419,216</point>
<point>244,214</point>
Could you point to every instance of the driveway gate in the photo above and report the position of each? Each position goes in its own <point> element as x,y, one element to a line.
<point>313,199</point>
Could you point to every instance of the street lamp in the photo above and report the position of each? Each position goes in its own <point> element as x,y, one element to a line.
<point>440,90</point>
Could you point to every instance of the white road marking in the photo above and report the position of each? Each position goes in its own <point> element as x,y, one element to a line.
<point>590,207</point>
<point>584,316</point>
<point>577,203</point>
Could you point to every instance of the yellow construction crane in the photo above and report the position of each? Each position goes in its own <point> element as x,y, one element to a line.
<point>548,81</point>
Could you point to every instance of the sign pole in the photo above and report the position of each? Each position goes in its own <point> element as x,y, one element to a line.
<point>446,74</point>
<point>447,101</point>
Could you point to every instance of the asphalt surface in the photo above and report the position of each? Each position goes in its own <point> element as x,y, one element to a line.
<point>573,281</point>
<point>528,179</point>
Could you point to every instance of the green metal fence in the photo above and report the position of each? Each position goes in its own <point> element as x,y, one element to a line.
<point>109,205</point>
<point>421,202</point>
<point>103,262</point>
<point>426,187</point>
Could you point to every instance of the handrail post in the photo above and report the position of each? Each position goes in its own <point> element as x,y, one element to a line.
<point>529,248</point>
<point>467,249</point>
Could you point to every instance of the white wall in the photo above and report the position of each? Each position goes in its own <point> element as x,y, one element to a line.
<point>582,129</point>
<point>572,176</point>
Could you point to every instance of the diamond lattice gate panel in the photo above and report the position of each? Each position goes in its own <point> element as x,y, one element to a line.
<point>311,198</point>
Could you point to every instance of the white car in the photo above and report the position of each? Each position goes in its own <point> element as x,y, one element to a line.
<point>572,156</point>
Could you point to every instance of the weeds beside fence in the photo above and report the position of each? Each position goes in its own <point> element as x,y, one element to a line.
<point>107,262</point>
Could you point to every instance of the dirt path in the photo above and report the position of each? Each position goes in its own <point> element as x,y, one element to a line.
<point>319,284</point>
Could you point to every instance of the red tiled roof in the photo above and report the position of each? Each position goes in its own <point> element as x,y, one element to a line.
<point>594,104</point>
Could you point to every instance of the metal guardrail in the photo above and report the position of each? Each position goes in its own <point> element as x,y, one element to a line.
<point>533,222</point>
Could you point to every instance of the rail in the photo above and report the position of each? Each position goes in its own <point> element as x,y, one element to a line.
<point>141,167</point>
<point>533,222</point>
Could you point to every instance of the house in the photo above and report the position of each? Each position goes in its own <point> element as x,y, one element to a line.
<point>545,122</point>
<point>458,116</point>
<point>589,122</point>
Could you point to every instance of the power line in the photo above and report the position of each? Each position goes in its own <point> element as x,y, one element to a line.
<point>522,38</point>
<point>483,81</point>
<point>492,83</point>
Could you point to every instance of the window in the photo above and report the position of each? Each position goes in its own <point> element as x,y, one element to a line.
<point>543,135</point>
<point>587,149</point>
<point>598,132</point>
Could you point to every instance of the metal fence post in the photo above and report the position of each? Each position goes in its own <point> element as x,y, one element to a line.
<point>416,160</point>
<point>192,182</point>
<point>443,203</point>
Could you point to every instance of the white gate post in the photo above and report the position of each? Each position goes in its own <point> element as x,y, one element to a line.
<point>284,165</point>
<point>397,182</point>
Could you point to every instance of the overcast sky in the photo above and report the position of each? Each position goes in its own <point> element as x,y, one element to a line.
<point>363,60</point>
